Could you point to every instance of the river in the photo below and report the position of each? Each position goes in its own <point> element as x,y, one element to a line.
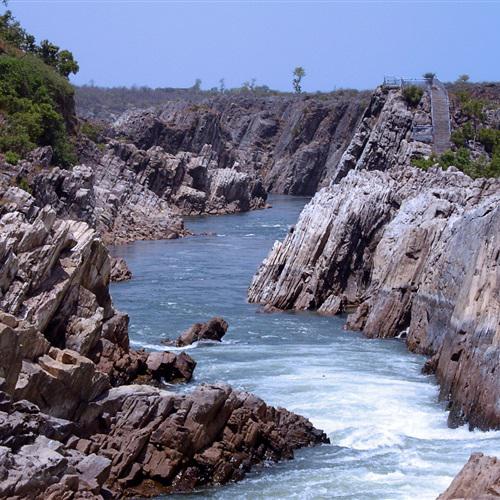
<point>388,432</point>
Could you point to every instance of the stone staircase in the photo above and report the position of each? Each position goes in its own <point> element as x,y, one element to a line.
<point>440,117</point>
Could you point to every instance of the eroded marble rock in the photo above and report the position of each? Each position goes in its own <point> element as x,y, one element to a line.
<point>162,442</point>
<point>70,427</point>
<point>214,329</point>
<point>479,479</point>
<point>119,270</point>
<point>413,253</point>
<point>291,143</point>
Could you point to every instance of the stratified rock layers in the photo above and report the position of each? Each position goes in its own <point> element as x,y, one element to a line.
<point>70,427</point>
<point>412,252</point>
<point>291,143</point>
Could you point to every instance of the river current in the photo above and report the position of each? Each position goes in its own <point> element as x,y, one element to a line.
<point>388,432</point>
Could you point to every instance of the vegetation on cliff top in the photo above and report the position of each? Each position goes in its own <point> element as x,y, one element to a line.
<point>36,98</point>
<point>476,143</point>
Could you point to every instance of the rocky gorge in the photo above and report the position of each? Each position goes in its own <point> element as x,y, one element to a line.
<point>68,375</point>
<point>408,253</point>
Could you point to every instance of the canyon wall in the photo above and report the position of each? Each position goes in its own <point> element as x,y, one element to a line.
<point>292,143</point>
<point>408,253</point>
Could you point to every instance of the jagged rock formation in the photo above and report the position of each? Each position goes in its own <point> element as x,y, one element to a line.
<point>291,143</point>
<point>385,137</point>
<point>412,252</point>
<point>162,442</point>
<point>130,194</point>
<point>119,270</point>
<point>479,479</point>
<point>69,427</point>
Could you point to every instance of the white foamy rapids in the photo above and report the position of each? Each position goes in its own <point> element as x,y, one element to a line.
<point>388,431</point>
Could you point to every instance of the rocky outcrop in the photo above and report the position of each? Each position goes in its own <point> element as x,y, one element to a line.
<point>213,330</point>
<point>413,254</point>
<point>291,143</point>
<point>479,479</point>
<point>386,136</point>
<point>129,194</point>
<point>119,270</point>
<point>35,462</point>
<point>162,442</point>
<point>70,427</point>
<point>61,326</point>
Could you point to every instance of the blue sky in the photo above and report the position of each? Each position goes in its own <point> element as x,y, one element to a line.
<point>339,43</point>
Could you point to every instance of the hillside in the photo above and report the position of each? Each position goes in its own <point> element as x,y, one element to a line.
<point>36,98</point>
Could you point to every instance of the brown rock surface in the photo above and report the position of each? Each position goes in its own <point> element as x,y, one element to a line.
<point>161,442</point>
<point>214,329</point>
<point>119,270</point>
<point>478,480</point>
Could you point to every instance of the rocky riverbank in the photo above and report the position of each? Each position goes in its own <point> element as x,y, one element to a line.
<point>479,479</point>
<point>411,254</point>
<point>71,426</point>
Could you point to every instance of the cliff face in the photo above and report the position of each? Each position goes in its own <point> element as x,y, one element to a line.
<point>70,426</point>
<point>414,253</point>
<point>291,143</point>
<point>385,136</point>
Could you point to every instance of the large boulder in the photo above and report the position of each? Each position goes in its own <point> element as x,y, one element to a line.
<point>213,330</point>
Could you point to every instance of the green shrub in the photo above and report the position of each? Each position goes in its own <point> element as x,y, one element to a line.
<point>412,95</point>
<point>424,163</point>
<point>92,130</point>
<point>23,184</point>
<point>11,157</point>
<point>462,160</point>
<point>33,98</point>
<point>460,136</point>
<point>489,138</point>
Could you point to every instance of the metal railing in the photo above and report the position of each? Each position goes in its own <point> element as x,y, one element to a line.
<point>395,82</point>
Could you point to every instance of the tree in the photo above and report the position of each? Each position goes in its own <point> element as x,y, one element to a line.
<point>429,76</point>
<point>298,74</point>
<point>474,109</point>
<point>197,85</point>
<point>463,78</point>
<point>66,64</point>
<point>48,52</point>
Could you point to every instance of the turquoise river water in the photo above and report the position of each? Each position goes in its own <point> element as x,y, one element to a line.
<point>388,432</point>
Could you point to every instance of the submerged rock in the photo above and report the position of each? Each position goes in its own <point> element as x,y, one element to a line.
<point>213,329</point>
<point>479,479</point>
<point>409,251</point>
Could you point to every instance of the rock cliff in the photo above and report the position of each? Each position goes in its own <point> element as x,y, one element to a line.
<point>387,134</point>
<point>408,253</point>
<point>291,143</point>
<point>70,426</point>
<point>128,194</point>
